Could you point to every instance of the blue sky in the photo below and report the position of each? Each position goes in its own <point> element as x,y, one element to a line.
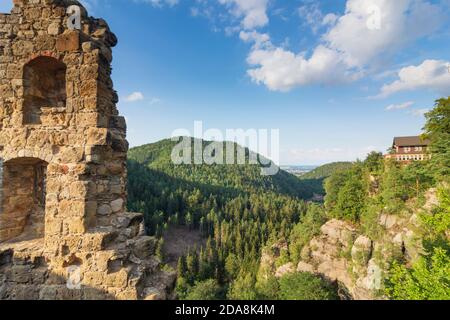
<point>338,78</point>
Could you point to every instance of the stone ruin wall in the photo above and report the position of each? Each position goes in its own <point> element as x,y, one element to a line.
<point>63,153</point>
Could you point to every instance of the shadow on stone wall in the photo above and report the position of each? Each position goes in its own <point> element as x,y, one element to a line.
<point>32,280</point>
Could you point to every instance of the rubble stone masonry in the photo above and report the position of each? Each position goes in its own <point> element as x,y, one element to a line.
<point>64,230</point>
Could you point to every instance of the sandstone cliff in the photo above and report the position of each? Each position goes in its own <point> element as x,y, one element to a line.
<point>342,254</point>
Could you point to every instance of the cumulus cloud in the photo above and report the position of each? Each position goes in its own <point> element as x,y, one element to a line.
<point>400,106</point>
<point>370,28</point>
<point>431,74</point>
<point>351,46</point>
<point>354,44</point>
<point>252,12</point>
<point>258,39</point>
<point>135,96</point>
<point>282,70</point>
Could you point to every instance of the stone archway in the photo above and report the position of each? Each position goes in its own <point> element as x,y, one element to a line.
<point>22,212</point>
<point>44,87</point>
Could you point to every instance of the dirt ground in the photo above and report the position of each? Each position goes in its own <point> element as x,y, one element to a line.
<point>177,242</point>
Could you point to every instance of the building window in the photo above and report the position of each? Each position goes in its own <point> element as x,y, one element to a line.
<point>44,87</point>
<point>418,148</point>
<point>408,149</point>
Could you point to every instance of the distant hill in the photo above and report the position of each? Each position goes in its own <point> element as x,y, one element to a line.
<point>326,170</point>
<point>239,178</point>
<point>315,178</point>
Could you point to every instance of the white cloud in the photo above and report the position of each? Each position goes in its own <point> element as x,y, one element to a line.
<point>135,96</point>
<point>259,39</point>
<point>329,19</point>
<point>400,22</point>
<point>401,106</point>
<point>350,48</point>
<point>431,74</point>
<point>419,112</point>
<point>252,12</point>
<point>282,70</point>
<point>311,15</point>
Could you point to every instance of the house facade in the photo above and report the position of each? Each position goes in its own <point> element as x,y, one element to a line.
<point>409,149</point>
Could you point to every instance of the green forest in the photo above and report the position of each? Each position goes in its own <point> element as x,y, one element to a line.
<point>315,179</point>
<point>239,212</point>
<point>236,209</point>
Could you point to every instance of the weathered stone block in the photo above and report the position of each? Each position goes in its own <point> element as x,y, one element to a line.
<point>69,41</point>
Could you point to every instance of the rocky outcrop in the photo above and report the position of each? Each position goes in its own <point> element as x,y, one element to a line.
<point>327,254</point>
<point>357,263</point>
<point>64,231</point>
<point>285,269</point>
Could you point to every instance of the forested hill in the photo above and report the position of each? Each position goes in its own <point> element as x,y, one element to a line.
<point>315,179</point>
<point>326,170</point>
<point>156,159</point>
<point>235,208</point>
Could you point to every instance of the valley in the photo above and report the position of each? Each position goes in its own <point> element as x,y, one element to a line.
<point>238,235</point>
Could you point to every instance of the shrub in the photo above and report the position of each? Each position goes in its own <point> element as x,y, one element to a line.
<point>205,290</point>
<point>268,289</point>
<point>437,223</point>
<point>243,288</point>
<point>370,225</point>
<point>428,279</point>
<point>305,230</point>
<point>305,286</point>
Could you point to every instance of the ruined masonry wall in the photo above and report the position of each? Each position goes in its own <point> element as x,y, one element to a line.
<point>80,138</point>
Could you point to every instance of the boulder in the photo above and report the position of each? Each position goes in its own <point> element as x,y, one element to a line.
<point>305,267</point>
<point>361,250</point>
<point>144,247</point>
<point>285,269</point>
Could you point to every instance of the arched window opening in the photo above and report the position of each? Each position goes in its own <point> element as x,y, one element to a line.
<point>23,199</point>
<point>44,87</point>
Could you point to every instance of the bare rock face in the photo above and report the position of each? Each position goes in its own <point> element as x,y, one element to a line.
<point>332,254</point>
<point>356,262</point>
<point>64,232</point>
<point>285,269</point>
<point>361,253</point>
